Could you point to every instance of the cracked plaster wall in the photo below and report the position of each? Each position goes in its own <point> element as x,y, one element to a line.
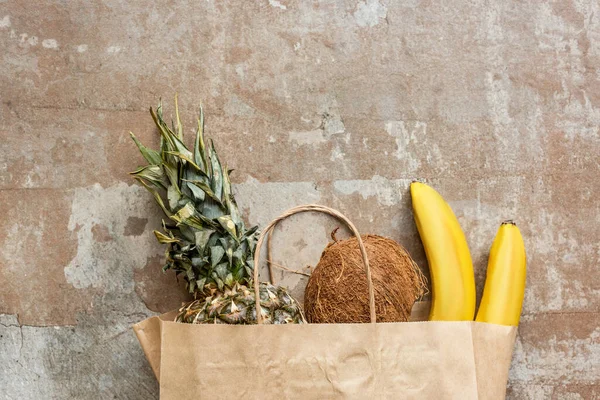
<point>497,104</point>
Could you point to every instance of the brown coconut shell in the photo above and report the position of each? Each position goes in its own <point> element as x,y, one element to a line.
<point>337,290</point>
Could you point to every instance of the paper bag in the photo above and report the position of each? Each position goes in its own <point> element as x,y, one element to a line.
<point>405,360</point>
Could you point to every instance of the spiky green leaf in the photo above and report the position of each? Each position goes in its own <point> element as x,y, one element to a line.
<point>229,280</point>
<point>202,238</point>
<point>173,195</point>
<point>187,215</point>
<point>173,174</point>
<point>152,156</point>
<point>178,127</point>
<point>216,254</point>
<point>230,201</point>
<point>228,224</point>
<point>156,196</point>
<point>164,239</point>
<point>198,193</point>
<point>206,189</point>
<point>217,172</point>
<point>167,137</point>
<point>222,270</point>
<point>151,173</point>
<point>186,159</point>
<point>199,148</point>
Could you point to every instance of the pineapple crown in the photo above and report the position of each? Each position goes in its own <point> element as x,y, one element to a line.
<point>207,241</point>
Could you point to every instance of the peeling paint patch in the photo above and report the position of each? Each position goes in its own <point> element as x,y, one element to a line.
<point>240,70</point>
<point>5,22</point>
<point>108,264</point>
<point>236,107</point>
<point>388,192</point>
<point>337,154</point>
<point>406,134</point>
<point>332,124</point>
<point>50,43</point>
<point>307,137</point>
<point>113,49</point>
<point>545,353</point>
<point>369,12</point>
<point>82,48</point>
<point>28,40</point>
<point>277,4</point>
<point>263,201</point>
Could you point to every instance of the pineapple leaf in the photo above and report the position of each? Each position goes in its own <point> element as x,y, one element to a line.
<point>202,238</point>
<point>164,239</point>
<point>207,242</point>
<point>187,233</point>
<point>198,262</point>
<point>217,172</point>
<point>151,173</point>
<point>229,253</point>
<point>207,190</point>
<point>173,196</point>
<point>227,224</point>
<point>186,215</point>
<point>192,285</point>
<point>250,232</point>
<point>216,254</point>
<point>199,150</point>
<point>179,127</point>
<point>212,209</point>
<point>185,158</point>
<point>168,143</point>
<point>196,191</point>
<point>157,197</point>
<point>222,271</point>
<point>152,156</point>
<point>172,174</point>
<point>180,148</point>
<point>207,221</point>
<point>229,280</point>
<point>219,282</point>
<point>229,200</point>
<point>237,254</point>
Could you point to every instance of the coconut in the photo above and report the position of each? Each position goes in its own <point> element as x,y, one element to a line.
<point>337,290</point>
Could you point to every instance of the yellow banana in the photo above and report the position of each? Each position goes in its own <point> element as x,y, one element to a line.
<point>505,281</point>
<point>450,265</point>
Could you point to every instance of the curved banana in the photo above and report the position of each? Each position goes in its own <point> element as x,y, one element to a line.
<point>450,265</point>
<point>505,281</point>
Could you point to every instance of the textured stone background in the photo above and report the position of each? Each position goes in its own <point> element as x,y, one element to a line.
<point>497,104</point>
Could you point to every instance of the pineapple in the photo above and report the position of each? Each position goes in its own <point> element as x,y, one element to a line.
<point>207,241</point>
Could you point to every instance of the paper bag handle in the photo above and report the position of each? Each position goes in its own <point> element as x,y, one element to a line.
<point>316,208</point>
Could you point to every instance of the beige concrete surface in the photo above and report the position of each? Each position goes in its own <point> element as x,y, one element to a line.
<point>343,103</point>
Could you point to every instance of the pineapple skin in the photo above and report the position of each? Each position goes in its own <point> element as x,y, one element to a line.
<point>237,306</point>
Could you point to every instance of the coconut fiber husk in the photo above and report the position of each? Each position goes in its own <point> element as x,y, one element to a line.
<point>337,290</point>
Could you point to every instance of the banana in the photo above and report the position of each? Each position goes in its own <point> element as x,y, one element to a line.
<point>450,265</point>
<point>505,281</point>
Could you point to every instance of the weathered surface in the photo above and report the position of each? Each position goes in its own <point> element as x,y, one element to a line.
<point>336,102</point>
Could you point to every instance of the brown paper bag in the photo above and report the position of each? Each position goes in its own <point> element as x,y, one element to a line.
<point>424,360</point>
